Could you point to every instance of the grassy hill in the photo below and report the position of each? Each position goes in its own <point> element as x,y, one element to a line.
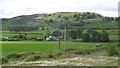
<point>86,20</point>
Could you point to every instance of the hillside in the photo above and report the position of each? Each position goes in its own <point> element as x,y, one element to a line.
<point>86,20</point>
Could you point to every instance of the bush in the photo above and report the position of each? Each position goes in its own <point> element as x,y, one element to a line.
<point>118,45</point>
<point>34,58</point>
<point>86,50</point>
<point>3,39</point>
<point>12,39</point>
<point>4,60</point>
<point>59,53</point>
<point>112,50</point>
<point>51,56</point>
<point>39,39</point>
<point>14,56</point>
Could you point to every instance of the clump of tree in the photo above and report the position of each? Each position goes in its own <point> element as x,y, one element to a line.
<point>94,36</point>
<point>89,36</point>
<point>117,19</point>
<point>20,37</point>
<point>56,33</point>
<point>77,33</point>
<point>73,34</point>
<point>86,37</point>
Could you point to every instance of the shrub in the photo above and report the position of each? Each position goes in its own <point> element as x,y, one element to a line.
<point>51,56</point>
<point>4,60</point>
<point>59,53</point>
<point>118,45</point>
<point>112,50</point>
<point>86,50</point>
<point>33,58</point>
<point>82,51</point>
<point>13,55</point>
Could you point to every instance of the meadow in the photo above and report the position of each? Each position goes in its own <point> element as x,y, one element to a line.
<point>113,34</point>
<point>35,46</point>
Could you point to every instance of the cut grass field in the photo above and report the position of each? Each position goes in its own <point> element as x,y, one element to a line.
<point>34,46</point>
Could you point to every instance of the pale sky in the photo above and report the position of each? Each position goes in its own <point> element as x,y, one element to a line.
<point>12,8</point>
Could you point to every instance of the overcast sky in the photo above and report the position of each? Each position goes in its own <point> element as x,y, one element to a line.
<point>12,8</point>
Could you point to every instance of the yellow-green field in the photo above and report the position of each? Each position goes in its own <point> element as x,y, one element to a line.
<point>35,46</point>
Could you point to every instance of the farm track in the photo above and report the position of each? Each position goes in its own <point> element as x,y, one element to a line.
<point>76,61</point>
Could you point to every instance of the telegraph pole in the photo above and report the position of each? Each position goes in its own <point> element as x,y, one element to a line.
<point>59,40</point>
<point>65,37</point>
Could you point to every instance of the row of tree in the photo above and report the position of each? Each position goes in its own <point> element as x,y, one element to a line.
<point>89,36</point>
<point>94,36</point>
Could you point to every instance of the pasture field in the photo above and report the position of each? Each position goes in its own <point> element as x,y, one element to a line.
<point>34,46</point>
<point>42,33</point>
<point>29,34</point>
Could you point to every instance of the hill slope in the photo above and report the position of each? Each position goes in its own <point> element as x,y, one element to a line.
<point>86,20</point>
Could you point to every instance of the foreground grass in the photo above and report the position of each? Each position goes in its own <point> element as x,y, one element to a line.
<point>88,60</point>
<point>81,53</point>
<point>34,46</point>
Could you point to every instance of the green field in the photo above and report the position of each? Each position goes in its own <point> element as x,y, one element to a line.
<point>34,46</point>
<point>113,34</point>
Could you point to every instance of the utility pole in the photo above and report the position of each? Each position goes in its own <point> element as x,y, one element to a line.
<point>65,37</point>
<point>59,39</point>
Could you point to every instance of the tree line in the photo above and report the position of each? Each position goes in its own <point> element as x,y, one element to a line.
<point>89,36</point>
